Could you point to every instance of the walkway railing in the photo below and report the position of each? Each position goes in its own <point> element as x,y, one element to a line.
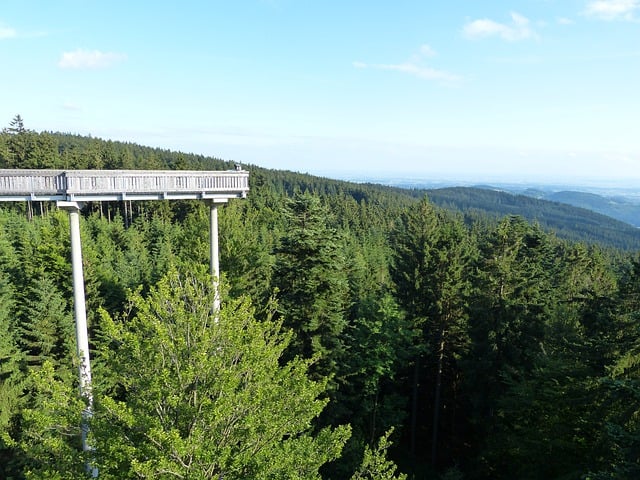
<point>105,185</point>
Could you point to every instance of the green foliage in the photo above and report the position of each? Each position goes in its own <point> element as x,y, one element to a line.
<point>11,382</point>
<point>50,437</point>
<point>620,390</point>
<point>432,254</point>
<point>185,392</point>
<point>375,465</point>
<point>203,395</point>
<point>46,326</point>
<point>311,279</point>
<point>245,251</point>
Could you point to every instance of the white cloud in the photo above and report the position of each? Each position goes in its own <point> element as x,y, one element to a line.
<point>612,9</point>
<point>86,59</point>
<point>564,21</point>
<point>518,29</point>
<point>7,32</point>
<point>415,66</point>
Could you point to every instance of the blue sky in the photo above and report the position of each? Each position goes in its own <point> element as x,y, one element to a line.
<point>529,89</point>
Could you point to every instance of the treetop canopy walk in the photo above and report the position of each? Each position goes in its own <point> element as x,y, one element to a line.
<point>112,185</point>
<point>71,188</point>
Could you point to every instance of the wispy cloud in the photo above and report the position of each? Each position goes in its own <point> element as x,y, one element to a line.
<point>518,29</point>
<point>427,51</point>
<point>613,9</point>
<point>564,21</point>
<point>416,66</point>
<point>7,32</point>
<point>70,106</point>
<point>89,59</point>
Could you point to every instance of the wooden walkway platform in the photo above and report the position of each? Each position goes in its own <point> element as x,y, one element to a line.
<point>110,185</point>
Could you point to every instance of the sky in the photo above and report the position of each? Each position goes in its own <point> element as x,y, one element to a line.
<point>520,90</point>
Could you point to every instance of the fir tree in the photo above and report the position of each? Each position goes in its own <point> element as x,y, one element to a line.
<point>311,279</point>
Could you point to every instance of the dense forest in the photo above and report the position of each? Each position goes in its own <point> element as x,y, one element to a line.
<point>364,333</point>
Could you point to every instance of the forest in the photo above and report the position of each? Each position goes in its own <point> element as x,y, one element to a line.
<point>364,333</point>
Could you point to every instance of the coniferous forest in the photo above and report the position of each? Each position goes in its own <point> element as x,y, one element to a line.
<point>364,333</point>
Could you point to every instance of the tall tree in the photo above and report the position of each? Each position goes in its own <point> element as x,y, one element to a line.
<point>513,300</point>
<point>431,272</point>
<point>311,279</point>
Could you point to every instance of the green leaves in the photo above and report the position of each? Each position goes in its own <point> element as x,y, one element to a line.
<point>200,394</point>
<point>375,465</point>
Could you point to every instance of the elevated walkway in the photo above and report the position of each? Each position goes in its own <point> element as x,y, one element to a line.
<point>111,185</point>
<point>71,188</point>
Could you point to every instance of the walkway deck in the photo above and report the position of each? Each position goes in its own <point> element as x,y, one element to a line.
<point>110,185</point>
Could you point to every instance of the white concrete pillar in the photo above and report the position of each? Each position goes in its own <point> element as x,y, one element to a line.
<point>214,258</point>
<point>80,309</point>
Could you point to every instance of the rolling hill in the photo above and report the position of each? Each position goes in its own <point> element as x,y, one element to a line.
<point>567,221</point>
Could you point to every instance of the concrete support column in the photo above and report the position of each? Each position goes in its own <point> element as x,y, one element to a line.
<point>80,310</point>
<point>214,258</point>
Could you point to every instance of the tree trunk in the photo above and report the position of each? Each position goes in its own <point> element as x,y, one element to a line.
<point>414,405</point>
<point>436,400</point>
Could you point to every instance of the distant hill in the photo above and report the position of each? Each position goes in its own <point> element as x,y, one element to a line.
<point>618,208</point>
<point>567,221</point>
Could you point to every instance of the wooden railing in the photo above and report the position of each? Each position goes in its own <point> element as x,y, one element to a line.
<point>76,185</point>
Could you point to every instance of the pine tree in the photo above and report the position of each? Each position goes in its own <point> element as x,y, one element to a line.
<point>19,142</point>
<point>245,251</point>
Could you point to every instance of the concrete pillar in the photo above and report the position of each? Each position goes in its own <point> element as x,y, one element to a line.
<point>214,258</point>
<point>80,310</point>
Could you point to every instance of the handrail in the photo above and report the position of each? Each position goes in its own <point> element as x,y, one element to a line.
<point>73,185</point>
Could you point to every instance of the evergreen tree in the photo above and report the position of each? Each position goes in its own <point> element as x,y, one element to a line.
<point>620,388</point>
<point>513,301</point>
<point>312,284</point>
<point>45,329</point>
<point>11,383</point>
<point>245,251</point>
<point>20,144</point>
<point>431,272</point>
